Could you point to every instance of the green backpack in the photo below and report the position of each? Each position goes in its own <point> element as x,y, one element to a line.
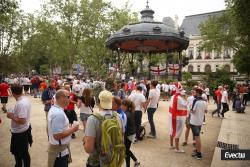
<point>112,151</point>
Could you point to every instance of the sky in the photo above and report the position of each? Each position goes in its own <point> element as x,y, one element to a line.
<point>162,8</point>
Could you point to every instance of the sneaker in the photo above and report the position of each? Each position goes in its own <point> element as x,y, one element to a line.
<point>194,153</point>
<point>179,151</point>
<point>198,156</point>
<point>184,143</point>
<point>137,163</point>
<point>222,115</point>
<point>151,136</point>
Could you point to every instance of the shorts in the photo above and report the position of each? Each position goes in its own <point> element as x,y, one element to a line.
<point>71,114</point>
<point>196,130</point>
<point>4,100</point>
<point>26,88</point>
<point>84,117</point>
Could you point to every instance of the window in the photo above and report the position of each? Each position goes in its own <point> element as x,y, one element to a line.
<point>207,55</point>
<point>198,55</point>
<point>191,53</point>
<point>190,68</point>
<point>217,67</point>
<point>227,53</point>
<point>227,68</point>
<point>198,68</point>
<point>207,68</point>
<point>217,55</point>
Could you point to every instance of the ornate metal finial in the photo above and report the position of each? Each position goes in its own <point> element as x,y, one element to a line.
<point>147,4</point>
<point>147,14</point>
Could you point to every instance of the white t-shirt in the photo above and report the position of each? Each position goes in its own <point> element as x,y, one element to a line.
<point>22,110</point>
<point>224,97</point>
<point>198,113</point>
<point>207,91</point>
<point>204,96</point>
<point>158,87</point>
<point>154,95</point>
<point>77,87</point>
<point>171,87</point>
<point>84,109</point>
<point>165,87</point>
<point>138,98</point>
<point>25,81</point>
<point>60,82</point>
<point>57,123</point>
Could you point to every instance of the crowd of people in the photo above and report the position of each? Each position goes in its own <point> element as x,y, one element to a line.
<point>118,121</point>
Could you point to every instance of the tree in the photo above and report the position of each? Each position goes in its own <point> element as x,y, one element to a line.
<point>65,33</point>
<point>8,15</point>
<point>186,76</point>
<point>219,78</point>
<point>231,29</point>
<point>241,61</point>
<point>218,33</point>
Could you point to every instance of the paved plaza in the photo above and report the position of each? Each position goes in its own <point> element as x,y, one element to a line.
<point>150,152</point>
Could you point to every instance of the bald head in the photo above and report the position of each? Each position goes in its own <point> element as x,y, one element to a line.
<point>61,93</point>
<point>62,98</point>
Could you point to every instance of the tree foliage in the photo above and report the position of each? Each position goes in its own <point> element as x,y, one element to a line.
<point>64,33</point>
<point>231,30</point>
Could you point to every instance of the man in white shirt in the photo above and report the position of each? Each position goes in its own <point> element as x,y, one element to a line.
<point>207,91</point>
<point>20,127</point>
<point>152,104</point>
<point>196,120</point>
<point>190,101</point>
<point>224,101</point>
<point>166,88</point>
<point>59,131</point>
<point>139,99</point>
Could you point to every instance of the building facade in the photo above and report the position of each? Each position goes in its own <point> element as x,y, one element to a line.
<point>203,61</point>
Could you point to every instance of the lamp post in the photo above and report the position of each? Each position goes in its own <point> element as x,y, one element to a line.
<point>119,59</point>
<point>140,59</point>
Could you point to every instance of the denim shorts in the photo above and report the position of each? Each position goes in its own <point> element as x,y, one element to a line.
<point>196,130</point>
<point>84,116</point>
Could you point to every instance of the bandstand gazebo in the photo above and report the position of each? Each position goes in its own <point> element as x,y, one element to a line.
<point>148,37</point>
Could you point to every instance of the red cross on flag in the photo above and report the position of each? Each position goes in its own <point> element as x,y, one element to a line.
<point>158,70</point>
<point>173,68</point>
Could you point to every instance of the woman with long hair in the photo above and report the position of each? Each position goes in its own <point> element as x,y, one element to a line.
<point>129,108</point>
<point>86,104</point>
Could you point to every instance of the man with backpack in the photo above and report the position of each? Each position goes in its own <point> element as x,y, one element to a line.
<point>103,139</point>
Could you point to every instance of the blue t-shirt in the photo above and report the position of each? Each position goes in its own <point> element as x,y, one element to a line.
<point>123,117</point>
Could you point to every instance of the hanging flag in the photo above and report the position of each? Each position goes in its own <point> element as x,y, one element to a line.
<point>158,70</point>
<point>173,69</point>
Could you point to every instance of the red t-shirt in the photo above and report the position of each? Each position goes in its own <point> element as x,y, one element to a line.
<point>71,105</point>
<point>43,85</point>
<point>4,90</point>
<point>218,94</point>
